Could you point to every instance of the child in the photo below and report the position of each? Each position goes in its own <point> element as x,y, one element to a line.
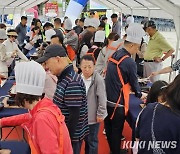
<point>96,98</point>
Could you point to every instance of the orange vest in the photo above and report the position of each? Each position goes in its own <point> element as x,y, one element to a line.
<point>125,87</point>
<point>71,52</point>
<point>60,120</point>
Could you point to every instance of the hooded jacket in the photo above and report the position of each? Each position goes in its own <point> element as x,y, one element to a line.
<point>42,127</point>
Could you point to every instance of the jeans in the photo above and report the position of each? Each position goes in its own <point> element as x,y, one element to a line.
<point>91,141</point>
<point>76,147</point>
<point>114,128</point>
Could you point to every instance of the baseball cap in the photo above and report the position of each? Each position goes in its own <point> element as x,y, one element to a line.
<point>149,23</point>
<point>52,51</point>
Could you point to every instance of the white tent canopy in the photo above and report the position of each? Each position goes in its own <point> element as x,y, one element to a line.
<point>17,6</point>
<point>169,9</point>
<point>136,7</point>
<point>149,8</point>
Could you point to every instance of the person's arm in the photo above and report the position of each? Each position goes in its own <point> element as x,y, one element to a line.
<point>165,47</point>
<point>15,120</point>
<point>75,91</point>
<point>163,71</point>
<point>133,80</point>
<point>17,29</point>
<point>74,113</point>
<point>101,98</point>
<point>168,54</point>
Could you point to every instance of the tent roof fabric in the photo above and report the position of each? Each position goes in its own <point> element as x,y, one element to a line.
<point>17,6</point>
<point>139,7</point>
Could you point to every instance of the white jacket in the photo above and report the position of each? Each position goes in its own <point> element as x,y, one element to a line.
<point>10,47</point>
<point>3,58</point>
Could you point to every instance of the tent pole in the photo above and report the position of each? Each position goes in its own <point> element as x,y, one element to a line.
<point>121,23</point>
<point>3,16</point>
<point>149,14</point>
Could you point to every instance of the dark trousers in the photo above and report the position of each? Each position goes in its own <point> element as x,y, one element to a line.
<point>76,147</point>
<point>91,141</point>
<point>114,128</point>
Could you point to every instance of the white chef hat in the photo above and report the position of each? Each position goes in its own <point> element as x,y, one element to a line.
<point>130,20</point>
<point>86,22</point>
<point>135,33</point>
<point>30,78</point>
<point>99,36</point>
<point>67,24</point>
<point>49,33</point>
<point>94,22</point>
<point>3,35</point>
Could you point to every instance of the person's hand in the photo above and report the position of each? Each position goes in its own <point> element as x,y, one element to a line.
<point>5,151</point>
<point>157,59</point>
<point>14,53</point>
<point>154,74</point>
<point>31,42</point>
<point>75,68</point>
<point>2,76</point>
<point>99,119</point>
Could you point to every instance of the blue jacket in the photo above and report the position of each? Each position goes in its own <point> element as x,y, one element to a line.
<point>128,70</point>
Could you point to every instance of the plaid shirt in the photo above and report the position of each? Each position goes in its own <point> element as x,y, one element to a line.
<point>176,66</point>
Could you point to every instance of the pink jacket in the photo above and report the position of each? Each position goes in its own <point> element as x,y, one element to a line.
<point>43,128</point>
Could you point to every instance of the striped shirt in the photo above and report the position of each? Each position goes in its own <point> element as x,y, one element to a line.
<point>71,92</point>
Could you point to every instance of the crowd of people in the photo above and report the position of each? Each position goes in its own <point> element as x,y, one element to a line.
<point>84,75</point>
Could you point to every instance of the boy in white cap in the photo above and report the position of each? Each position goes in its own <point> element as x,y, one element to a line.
<point>44,124</point>
<point>120,76</point>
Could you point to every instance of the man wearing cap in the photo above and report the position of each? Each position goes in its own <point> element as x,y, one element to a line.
<point>157,46</point>
<point>116,28</point>
<point>44,124</point>
<point>70,95</point>
<point>121,76</point>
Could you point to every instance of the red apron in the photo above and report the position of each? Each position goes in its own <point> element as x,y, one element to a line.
<point>125,87</point>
